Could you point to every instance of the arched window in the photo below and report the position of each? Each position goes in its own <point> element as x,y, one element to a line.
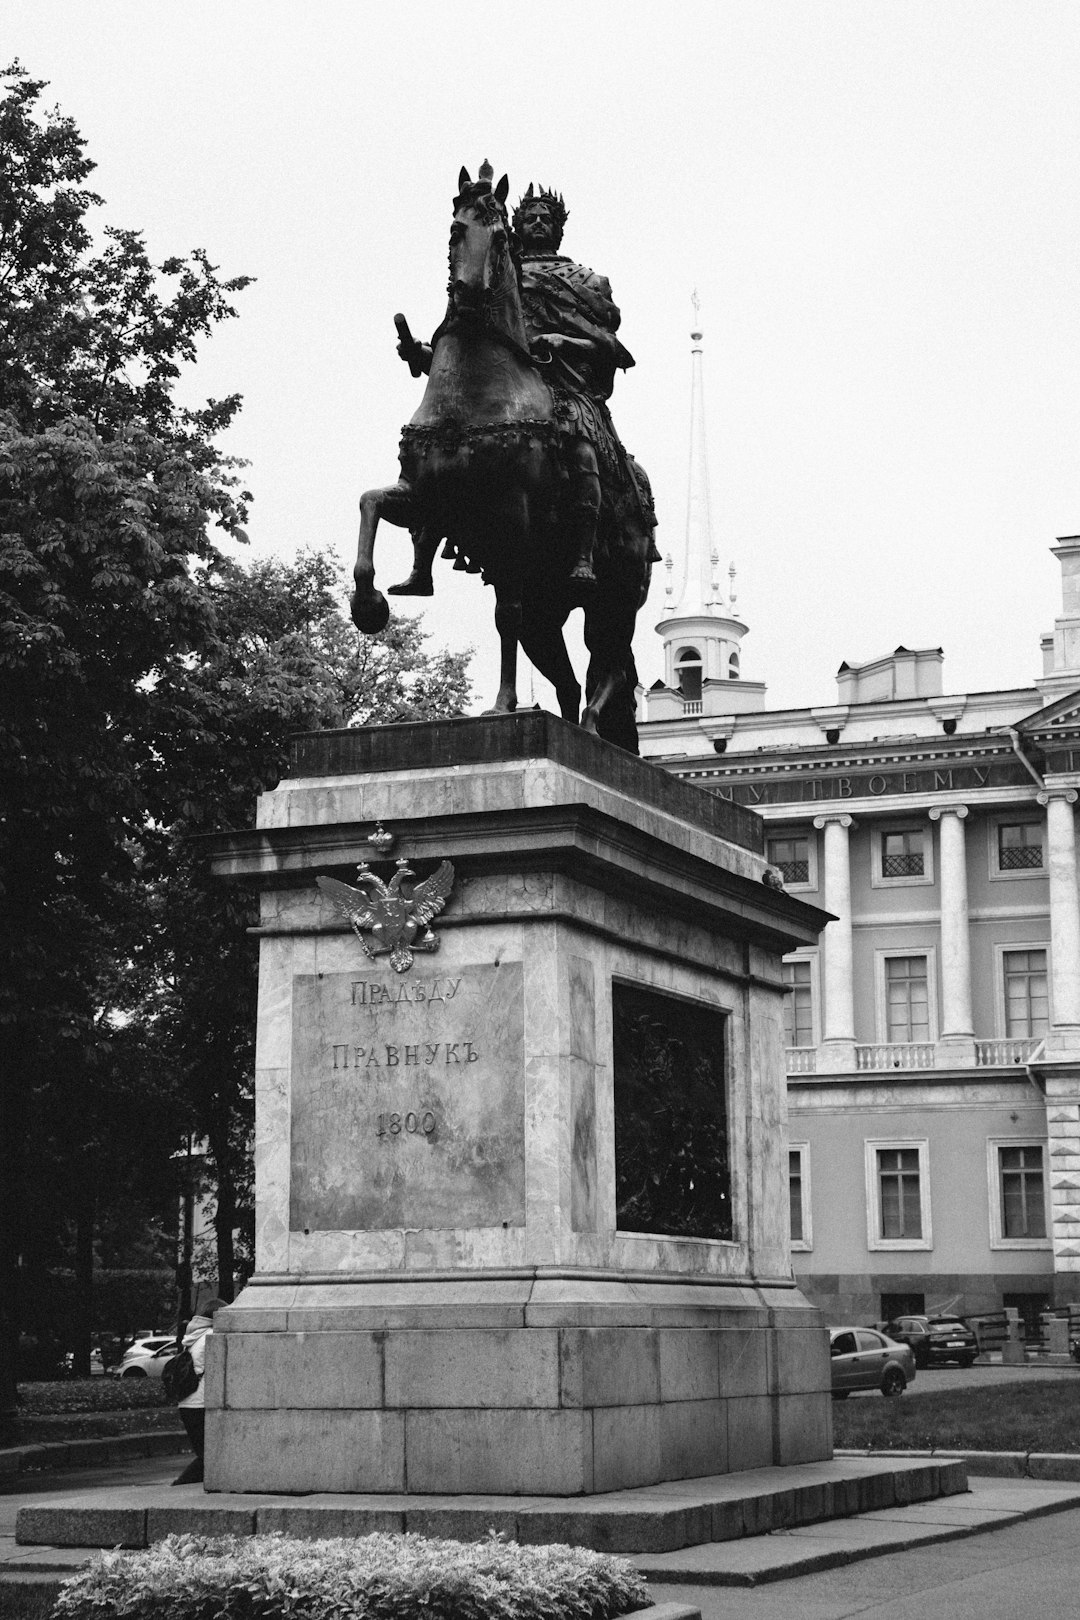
<point>688,673</point>
<point>733,667</point>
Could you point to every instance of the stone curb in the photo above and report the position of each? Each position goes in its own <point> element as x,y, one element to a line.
<point>99,1452</point>
<point>1044,1465</point>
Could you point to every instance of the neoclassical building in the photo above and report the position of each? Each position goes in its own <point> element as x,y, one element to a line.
<point>934,1033</point>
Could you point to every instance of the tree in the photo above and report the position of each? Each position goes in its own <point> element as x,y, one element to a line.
<point>108,494</point>
<point>285,660</point>
<point>147,687</point>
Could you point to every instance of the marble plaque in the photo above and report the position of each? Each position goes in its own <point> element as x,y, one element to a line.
<point>408,1098</point>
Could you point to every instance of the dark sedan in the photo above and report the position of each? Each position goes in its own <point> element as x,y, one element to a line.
<point>935,1339</point>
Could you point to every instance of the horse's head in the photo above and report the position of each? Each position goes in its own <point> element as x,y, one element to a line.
<point>482,269</point>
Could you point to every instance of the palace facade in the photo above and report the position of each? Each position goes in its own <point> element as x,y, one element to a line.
<point>933,1034</point>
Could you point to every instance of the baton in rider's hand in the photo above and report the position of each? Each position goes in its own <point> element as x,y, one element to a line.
<point>408,348</point>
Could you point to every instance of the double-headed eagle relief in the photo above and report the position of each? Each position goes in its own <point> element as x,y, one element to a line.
<point>396,915</point>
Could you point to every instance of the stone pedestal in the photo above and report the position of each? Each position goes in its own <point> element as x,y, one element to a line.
<point>521,1209</point>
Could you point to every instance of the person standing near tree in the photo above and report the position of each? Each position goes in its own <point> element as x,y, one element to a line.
<point>192,1408</point>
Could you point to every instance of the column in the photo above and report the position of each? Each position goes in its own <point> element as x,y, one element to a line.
<point>838,1011</point>
<point>956,1037</point>
<point>1064,1036</point>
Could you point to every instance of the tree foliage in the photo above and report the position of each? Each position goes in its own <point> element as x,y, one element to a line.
<point>148,686</point>
<point>109,493</point>
<point>285,660</point>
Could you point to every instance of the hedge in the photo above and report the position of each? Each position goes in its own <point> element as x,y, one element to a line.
<point>376,1577</point>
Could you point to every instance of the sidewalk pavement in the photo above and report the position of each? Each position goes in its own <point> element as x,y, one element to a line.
<point>1027,1569</point>
<point>682,1577</point>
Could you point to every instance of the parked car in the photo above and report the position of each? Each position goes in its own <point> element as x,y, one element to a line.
<point>863,1358</point>
<point>145,1358</point>
<point>935,1338</point>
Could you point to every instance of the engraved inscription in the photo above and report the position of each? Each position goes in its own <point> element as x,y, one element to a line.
<point>393,1124</point>
<point>408,1102</point>
<point>416,1055</point>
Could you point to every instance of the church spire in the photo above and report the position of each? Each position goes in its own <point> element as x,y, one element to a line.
<point>701,631</point>
<point>700,591</point>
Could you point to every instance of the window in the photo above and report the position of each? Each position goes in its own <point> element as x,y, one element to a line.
<point>898,1180</point>
<point>897,1305</point>
<point>688,673</point>
<point>1020,846</point>
<point>902,854</point>
<point>799,1195</point>
<point>799,1002</point>
<point>1023,1207</point>
<point>1027,993</point>
<point>1017,1183</point>
<point>792,856</point>
<point>907,999</point>
<point>733,667</point>
<point>898,1195</point>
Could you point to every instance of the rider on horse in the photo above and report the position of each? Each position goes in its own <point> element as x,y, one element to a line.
<point>571,316</point>
<point>572,321</point>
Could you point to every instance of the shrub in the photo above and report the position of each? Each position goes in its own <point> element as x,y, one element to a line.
<point>376,1577</point>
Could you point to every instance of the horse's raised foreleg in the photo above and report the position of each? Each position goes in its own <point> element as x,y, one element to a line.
<point>370,609</point>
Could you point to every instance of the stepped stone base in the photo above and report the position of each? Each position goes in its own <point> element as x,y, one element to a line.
<point>521,1208</point>
<point>513,1386</point>
<point>660,1518</point>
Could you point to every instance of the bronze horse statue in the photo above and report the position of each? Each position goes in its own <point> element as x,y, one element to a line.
<point>480,468</point>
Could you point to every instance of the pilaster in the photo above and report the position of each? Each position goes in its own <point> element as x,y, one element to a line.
<point>1063,1151</point>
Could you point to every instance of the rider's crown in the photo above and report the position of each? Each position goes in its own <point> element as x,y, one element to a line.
<point>551,200</point>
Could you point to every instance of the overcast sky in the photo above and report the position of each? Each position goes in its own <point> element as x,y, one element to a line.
<point>878,202</point>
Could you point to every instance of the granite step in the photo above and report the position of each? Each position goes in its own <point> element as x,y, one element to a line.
<point>649,1519</point>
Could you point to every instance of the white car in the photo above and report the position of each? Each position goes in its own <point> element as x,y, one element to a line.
<point>145,1358</point>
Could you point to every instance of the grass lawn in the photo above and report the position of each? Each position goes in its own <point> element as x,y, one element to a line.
<point>1014,1417</point>
<point>91,1408</point>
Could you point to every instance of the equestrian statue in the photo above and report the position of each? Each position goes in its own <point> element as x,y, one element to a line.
<point>512,458</point>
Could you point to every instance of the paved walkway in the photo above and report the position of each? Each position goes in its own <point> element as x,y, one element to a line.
<point>1024,1570</point>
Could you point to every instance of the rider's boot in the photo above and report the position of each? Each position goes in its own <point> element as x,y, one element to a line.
<point>419,582</point>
